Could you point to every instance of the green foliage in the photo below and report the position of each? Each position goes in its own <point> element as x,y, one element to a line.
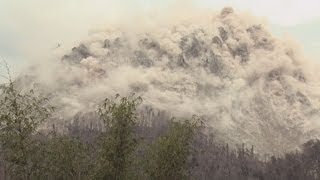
<point>119,141</point>
<point>66,158</point>
<point>168,157</point>
<point>20,116</point>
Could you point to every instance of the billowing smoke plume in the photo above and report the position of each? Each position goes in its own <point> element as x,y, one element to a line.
<point>249,86</point>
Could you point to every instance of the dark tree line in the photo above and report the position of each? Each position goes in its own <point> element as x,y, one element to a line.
<point>129,146</point>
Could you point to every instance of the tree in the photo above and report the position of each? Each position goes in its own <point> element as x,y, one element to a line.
<point>65,157</point>
<point>118,142</point>
<point>168,157</point>
<point>311,158</point>
<point>21,114</point>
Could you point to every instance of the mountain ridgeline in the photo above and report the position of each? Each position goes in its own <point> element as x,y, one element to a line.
<point>249,86</point>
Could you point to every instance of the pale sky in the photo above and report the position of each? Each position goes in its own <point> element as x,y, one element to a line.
<point>284,12</point>
<point>38,25</point>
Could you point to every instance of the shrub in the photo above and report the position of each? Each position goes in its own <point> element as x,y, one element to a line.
<point>21,114</point>
<point>168,157</point>
<point>118,142</point>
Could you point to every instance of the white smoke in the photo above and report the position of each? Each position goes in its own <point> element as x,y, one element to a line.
<point>250,86</point>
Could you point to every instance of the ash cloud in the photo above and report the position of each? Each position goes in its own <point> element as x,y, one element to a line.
<point>249,86</point>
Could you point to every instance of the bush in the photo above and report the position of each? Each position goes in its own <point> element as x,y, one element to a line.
<point>20,116</point>
<point>168,157</point>
<point>118,142</point>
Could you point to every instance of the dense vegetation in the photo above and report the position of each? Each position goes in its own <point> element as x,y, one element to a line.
<point>127,148</point>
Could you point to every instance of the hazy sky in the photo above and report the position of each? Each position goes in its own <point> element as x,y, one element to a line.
<point>28,27</point>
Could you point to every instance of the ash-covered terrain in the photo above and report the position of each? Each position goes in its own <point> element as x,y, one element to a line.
<point>249,86</point>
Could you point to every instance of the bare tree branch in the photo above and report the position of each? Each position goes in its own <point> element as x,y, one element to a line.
<point>6,66</point>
